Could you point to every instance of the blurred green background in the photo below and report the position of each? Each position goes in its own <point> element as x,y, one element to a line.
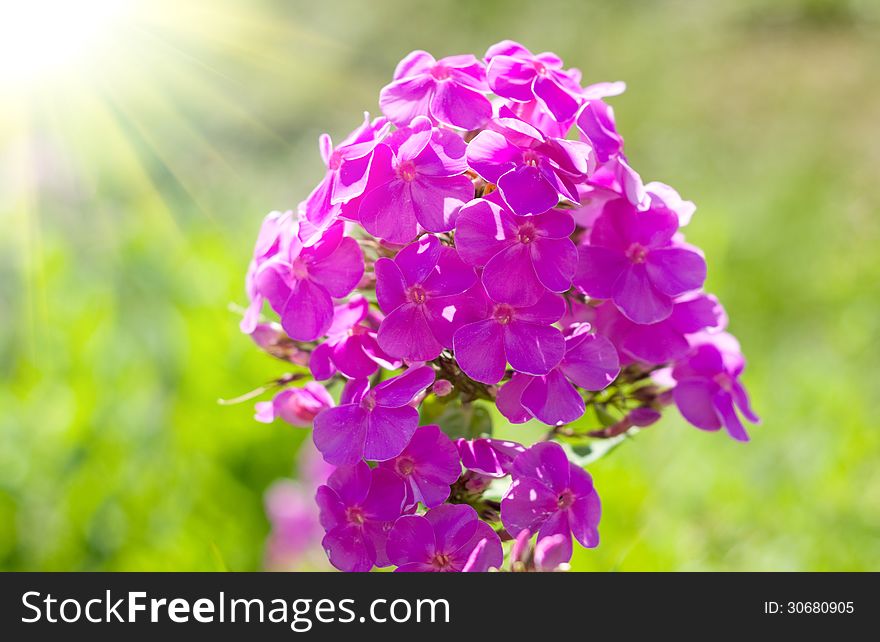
<point>134,178</point>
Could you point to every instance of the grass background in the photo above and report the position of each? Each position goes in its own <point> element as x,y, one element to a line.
<point>132,187</point>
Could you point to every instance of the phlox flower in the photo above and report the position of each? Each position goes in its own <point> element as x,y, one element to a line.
<point>375,424</point>
<point>357,507</point>
<point>521,336</point>
<point>351,347</point>
<point>300,281</point>
<point>595,122</point>
<point>708,391</point>
<point>532,171</point>
<point>421,183</point>
<point>444,540</point>
<point>590,362</point>
<point>632,259</point>
<point>517,74</point>
<point>348,166</point>
<point>552,497</point>
<point>450,90</point>
<point>296,406</point>
<point>420,292</point>
<point>293,517</point>
<point>522,256</point>
<point>429,465</point>
<point>490,457</point>
<point>276,231</point>
<point>666,340</point>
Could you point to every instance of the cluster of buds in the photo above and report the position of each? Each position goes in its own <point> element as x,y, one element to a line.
<point>484,241</point>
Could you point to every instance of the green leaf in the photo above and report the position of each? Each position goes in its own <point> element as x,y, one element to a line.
<point>584,454</point>
<point>457,420</point>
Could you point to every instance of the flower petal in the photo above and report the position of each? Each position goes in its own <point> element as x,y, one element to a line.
<point>460,106</point>
<point>553,400</point>
<point>479,351</point>
<point>400,390</point>
<point>526,191</point>
<point>509,277</point>
<point>340,272</point>
<point>389,431</point>
<point>410,541</point>
<point>339,434</point>
<point>387,212</point>
<point>635,295</point>
<point>555,262</point>
<point>590,362</point>
<point>405,333</point>
<point>308,311</point>
<point>674,270</point>
<point>533,349</point>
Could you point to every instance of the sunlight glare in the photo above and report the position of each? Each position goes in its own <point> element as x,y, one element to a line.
<point>38,37</point>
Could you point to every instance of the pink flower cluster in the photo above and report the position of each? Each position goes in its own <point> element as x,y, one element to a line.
<point>485,240</point>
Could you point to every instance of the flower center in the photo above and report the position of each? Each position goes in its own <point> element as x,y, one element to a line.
<point>416,294</point>
<point>299,269</point>
<point>441,561</point>
<point>527,233</point>
<point>530,158</point>
<point>502,313</point>
<point>441,72</point>
<point>637,253</point>
<point>724,380</point>
<point>407,171</point>
<point>355,515</point>
<point>369,401</point>
<point>565,499</point>
<point>405,466</point>
<point>335,161</point>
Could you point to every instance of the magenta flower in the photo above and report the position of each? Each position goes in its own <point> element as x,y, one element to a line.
<point>521,336</point>
<point>633,260</point>
<point>351,347</point>
<point>348,166</point>
<point>522,256</point>
<point>444,540</point>
<point>300,282</point>
<point>532,172</point>
<point>296,406</point>
<point>358,506</point>
<point>429,465</point>
<point>490,457</point>
<point>276,232</point>
<point>595,121</point>
<point>294,520</point>
<point>551,496</point>
<point>419,291</point>
<point>374,424</point>
<point>590,362</point>
<point>517,74</point>
<point>425,184</point>
<point>666,340</point>
<point>708,392</point>
<point>451,90</point>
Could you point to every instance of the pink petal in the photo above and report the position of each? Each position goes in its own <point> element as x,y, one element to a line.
<point>555,262</point>
<point>308,311</point>
<point>546,461</point>
<point>482,230</point>
<point>390,285</point>
<point>509,277</point>
<point>591,362</point>
<point>559,102</point>
<point>403,100</point>
<point>389,431</point>
<point>511,77</point>
<point>527,505</point>
<point>694,400</point>
<point>348,550</point>
<point>526,191</point>
<point>553,400</point>
<point>674,271</point>
<point>509,398</point>
<point>436,201</point>
<point>635,295</point>
<point>341,271</point>
<point>460,106</point>
<point>453,524</point>
<point>411,540</point>
<point>405,333</point>
<point>479,350</point>
<point>533,349</point>
<point>387,212</point>
<point>414,63</point>
<point>339,434</point>
<point>400,390</point>
<point>491,155</point>
<point>547,310</point>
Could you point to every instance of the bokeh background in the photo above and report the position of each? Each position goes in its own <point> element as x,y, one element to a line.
<point>135,168</point>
